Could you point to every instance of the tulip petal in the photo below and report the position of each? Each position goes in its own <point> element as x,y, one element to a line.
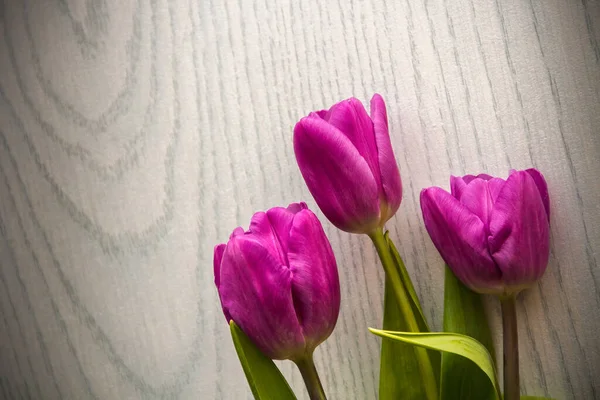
<point>297,207</point>
<point>281,220</point>
<point>494,186</point>
<point>217,258</point>
<point>477,198</point>
<point>237,231</point>
<point>485,177</point>
<point>519,240</point>
<point>457,185</point>
<point>252,279</point>
<point>468,178</point>
<point>315,283</point>
<point>322,113</point>
<point>388,167</point>
<point>337,176</point>
<point>351,118</point>
<point>263,231</point>
<point>459,235</point>
<point>540,182</point>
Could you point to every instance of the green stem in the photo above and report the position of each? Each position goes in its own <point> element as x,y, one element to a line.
<point>511,348</point>
<point>392,273</point>
<point>309,373</point>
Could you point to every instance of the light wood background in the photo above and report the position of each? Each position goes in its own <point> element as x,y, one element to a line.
<point>134,136</point>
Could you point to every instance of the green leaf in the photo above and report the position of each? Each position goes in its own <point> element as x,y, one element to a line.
<point>535,398</point>
<point>408,285</point>
<point>464,314</point>
<point>264,378</point>
<point>449,342</point>
<point>399,375</point>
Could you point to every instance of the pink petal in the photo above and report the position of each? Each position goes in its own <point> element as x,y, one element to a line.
<point>540,182</point>
<point>468,178</point>
<point>297,207</point>
<point>217,258</point>
<point>477,198</point>
<point>519,240</point>
<point>263,231</point>
<point>457,185</point>
<point>494,186</point>
<point>388,167</point>
<point>237,231</point>
<point>322,113</point>
<point>256,291</point>
<point>337,176</point>
<point>281,220</point>
<point>315,282</point>
<point>351,118</point>
<point>460,237</point>
<point>485,177</point>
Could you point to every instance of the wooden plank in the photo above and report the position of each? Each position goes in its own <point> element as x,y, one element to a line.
<point>134,136</point>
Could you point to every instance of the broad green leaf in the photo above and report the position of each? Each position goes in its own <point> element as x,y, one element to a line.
<point>535,398</point>
<point>408,285</point>
<point>449,342</point>
<point>399,376</point>
<point>464,314</point>
<point>264,378</point>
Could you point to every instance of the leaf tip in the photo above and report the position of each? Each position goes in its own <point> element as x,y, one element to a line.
<point>375,331</point>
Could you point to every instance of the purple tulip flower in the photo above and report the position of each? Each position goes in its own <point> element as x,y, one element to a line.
<point>493,233</point>
<point>279,282</point>
<point>347,161</point>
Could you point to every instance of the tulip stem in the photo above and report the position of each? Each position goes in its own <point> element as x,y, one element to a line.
<point>511,348</point>
<point>400,292</point>
<point>309,373</point>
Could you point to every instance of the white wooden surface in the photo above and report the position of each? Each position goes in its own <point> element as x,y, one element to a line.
<point>134,136</point>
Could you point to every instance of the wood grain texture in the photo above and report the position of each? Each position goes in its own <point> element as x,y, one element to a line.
<point>134,136</point>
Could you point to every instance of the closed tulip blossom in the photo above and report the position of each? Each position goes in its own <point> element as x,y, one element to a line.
<point>278,282</point>
<point>493,233</point>
<point>347,161</point>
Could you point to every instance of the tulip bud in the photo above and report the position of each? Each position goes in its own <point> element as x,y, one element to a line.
<point>347,161</point>
<point>492,233</point>
<point>278,281</point>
